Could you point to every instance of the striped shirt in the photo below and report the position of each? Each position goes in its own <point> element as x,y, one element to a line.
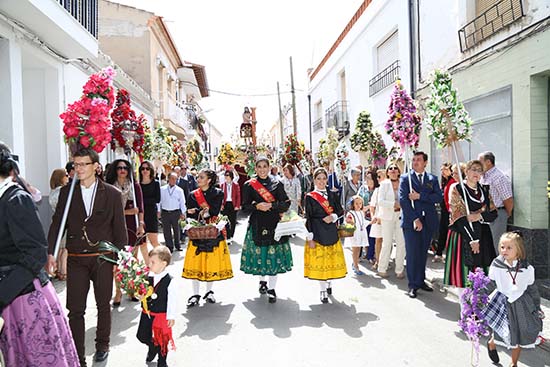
<point>500,186</point>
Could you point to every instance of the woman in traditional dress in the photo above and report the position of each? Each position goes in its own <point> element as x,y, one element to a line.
<point>470,243</point>
<point>446,177</point>
<point>206,260</point>
<point>119,175</point>
<point>366,192</point>
<point>323,254</point>
<point>36,332</point>
<point>262,255</point>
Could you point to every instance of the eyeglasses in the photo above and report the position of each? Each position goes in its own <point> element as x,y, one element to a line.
<point>476,170</point>
<point>120,168</point>
<point>82,165</point>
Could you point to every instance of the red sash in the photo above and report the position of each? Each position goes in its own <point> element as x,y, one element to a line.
<point>260,189</point>
<point>322,200</point>
<point>201,200</point>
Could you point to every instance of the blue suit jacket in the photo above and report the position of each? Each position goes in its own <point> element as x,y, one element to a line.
<point>430,194</point>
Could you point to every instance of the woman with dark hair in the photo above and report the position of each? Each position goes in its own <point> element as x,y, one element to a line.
<point>119,176</point>
<point>35,331</point>
<point>206,260</point>
<point>231,202</point>
<point>265,198</point>
<point>323,254</point>
<point>150,189</point>
<point>446,176</point>
<point>366,191</point>
<point>58,179</point>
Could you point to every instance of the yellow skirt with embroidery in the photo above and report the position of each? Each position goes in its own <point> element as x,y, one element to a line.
<point>324,262</point>
<point>207,266</point>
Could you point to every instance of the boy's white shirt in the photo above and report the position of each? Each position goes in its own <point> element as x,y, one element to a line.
<point>172,307</point>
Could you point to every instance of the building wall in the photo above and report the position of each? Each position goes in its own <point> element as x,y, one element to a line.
<point>356,56</point>
<point>125,36</point>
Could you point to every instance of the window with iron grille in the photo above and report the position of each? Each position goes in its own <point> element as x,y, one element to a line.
<point>387,64</point>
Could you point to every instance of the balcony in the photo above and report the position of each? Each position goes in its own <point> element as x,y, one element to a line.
<point>494,19</point>
<point>384,78</point>
<point>67,26</point>
<point>85,12</point>
<point>337,117</point>
<point>317,124</point>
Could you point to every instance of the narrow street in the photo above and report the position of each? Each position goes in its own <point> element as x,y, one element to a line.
<point>368,322</point>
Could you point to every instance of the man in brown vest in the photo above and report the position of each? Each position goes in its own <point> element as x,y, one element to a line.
<point>95,214</point>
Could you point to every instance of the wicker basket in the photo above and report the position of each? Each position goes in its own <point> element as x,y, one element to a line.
<point>345,232</point>
<point>208,232</point>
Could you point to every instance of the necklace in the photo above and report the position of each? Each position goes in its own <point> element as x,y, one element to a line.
<point>515,274</point>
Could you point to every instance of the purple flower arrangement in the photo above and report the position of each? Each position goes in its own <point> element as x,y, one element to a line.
<point>404,124</point>
<point>473,301</point>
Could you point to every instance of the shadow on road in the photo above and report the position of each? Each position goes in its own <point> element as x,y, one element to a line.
<point>208,321</point>
<point>286,315</point>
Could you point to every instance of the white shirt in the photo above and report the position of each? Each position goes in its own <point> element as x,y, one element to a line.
<point>172,198</point>
<point>503,279</point>
<point>172,307</point>
<point>228,188</point>
<point>88,197</point>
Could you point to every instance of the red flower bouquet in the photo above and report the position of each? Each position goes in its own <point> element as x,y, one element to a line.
<point>86,122</point>
<point>294,150</point>
<point>128,129</point>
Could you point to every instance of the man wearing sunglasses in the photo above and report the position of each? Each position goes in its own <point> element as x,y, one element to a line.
<point>419,219</point>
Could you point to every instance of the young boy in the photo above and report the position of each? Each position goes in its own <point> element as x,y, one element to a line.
<point>155,327</point>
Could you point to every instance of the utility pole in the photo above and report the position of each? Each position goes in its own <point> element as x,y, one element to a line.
<point>294,123</point>
<point>280,114</point>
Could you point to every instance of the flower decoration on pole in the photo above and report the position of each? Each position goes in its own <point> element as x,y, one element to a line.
<point>178,153</point>
<point>403,124</point>
<point>379,152</point>
<point>227,155</point>
<point>474,300</point>
<point>194,153</point>
<point>327,147</point>
<point>293,150</point>
<point>362,138</point>
<point>342,163</point>
<point>128,129</point>
<point>86,122</point>
<point>448,121</point>
<point>156,146</point>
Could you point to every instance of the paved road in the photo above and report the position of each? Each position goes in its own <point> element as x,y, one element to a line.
<point>368,322</point>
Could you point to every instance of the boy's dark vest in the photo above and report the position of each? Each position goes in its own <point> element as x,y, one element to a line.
<point>159,304</point>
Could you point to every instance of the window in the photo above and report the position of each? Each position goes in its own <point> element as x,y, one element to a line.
<point>387,52</point>
<point>491,131</point>
<point>318,123</point>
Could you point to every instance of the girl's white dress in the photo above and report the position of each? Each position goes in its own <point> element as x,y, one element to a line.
<point>360,237</point>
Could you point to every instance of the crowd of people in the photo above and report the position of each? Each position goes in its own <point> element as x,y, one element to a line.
<point>396,214</point>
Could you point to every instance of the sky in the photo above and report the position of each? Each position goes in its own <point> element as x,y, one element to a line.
<point>245,46</point>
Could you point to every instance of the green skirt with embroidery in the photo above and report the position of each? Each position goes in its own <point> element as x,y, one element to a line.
<point>265,260</point>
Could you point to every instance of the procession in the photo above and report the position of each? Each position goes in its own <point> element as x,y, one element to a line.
<point>401,229</point>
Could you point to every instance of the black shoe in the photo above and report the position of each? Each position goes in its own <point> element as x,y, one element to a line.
<point>324,298</point>
<point>272,296</point>
<point>178,249</point>
<point>100,356</point>
<point>263,287</point>
<point>426,288</point>
<point>209,297</point>
<point>493,354</point>
<point>412,293</point>
<point>116,304</point>
<point>151,354</point>
<point>193,301</point>
<point>329,289</point>
<point>134,299</point>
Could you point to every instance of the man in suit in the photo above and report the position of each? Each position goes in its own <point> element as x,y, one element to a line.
<point>95,213</point>
<point>231,202</point>
<point>419,219</point>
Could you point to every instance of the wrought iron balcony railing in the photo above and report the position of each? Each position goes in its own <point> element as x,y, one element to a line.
<point>84,11</point>
<point>337,117</point>
<point>317,124</point>
<point>491,21</point>
<point>384,78</point>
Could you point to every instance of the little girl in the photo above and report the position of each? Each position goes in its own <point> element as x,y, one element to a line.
<point>520,313</point>
<point>360,238</point>
<point>155,325</point>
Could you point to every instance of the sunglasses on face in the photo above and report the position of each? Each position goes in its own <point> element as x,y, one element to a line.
<point>145,168</point>
<point>392,168</point>
<point>122,168</point>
